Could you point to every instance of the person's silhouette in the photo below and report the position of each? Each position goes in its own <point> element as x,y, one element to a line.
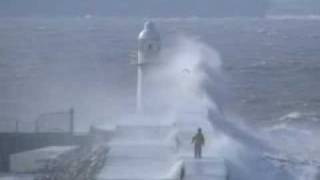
<point>198,141</point>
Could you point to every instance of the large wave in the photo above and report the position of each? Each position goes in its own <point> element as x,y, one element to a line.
<point>251,153</point>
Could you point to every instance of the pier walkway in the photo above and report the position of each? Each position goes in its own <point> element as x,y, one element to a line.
<point>150,152</point>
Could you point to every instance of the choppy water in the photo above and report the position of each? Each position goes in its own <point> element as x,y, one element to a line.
<point>52,64</point>
<point>272,68</point>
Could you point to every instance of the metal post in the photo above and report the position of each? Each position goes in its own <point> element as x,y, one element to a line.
<point>71,121</point>
<point>36,125</point>
<point>17,126</point>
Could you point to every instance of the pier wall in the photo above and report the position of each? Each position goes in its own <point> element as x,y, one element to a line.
<point>18,142</point>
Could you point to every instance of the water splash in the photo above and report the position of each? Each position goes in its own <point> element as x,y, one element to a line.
<point>243,147</point>
<point>191,79</point>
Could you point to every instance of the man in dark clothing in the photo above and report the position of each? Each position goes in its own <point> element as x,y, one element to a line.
<point>198,141</point>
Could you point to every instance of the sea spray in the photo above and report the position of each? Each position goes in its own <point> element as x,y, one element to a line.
<point>197,72</point>
<point>191,78</point>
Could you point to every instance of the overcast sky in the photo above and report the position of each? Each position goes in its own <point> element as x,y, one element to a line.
<point>144,8</point>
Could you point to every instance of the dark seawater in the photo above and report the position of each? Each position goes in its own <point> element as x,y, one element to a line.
<point>272,65</point>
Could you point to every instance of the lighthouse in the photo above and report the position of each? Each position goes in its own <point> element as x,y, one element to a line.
<point>149,45</point>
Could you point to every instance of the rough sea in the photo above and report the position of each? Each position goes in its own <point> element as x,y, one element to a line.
<point>271,67</point>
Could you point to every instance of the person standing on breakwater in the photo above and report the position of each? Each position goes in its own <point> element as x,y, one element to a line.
<point>198,141</point>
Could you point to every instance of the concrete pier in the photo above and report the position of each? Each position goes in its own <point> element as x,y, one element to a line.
<point>205,169</point>
<point>143,152</point>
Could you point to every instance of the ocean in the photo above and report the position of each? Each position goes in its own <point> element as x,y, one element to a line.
<point>270,67</point>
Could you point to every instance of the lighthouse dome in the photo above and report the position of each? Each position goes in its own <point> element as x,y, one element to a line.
<point>149,43</point>
<point>149,32</point>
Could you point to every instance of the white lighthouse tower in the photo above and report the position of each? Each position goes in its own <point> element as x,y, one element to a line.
<point>149,45</point>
